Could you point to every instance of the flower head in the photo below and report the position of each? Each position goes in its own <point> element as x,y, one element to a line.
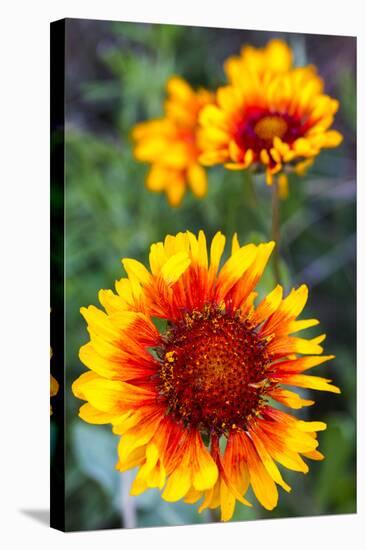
<point>170,145</point>
<point>194,401</point>
<point>271,114</point>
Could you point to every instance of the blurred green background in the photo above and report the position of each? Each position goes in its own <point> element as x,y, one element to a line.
<point>115,77</point>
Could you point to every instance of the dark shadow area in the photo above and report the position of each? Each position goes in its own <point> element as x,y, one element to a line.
<point>42,516</point>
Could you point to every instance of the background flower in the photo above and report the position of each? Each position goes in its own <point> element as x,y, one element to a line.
<point>54,385</point>
<point>259,64</point>
<point>170,143</point>
<point>271,115</point>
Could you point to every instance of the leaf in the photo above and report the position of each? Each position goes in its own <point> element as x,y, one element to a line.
<point>337,444</point>
<point>154,511</point>
<point>96,454</point>
<point>94,91</point>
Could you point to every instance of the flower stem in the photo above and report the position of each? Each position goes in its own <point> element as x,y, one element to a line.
<point>128,509</point>
<point>276,231</point>
<point>214,515</point>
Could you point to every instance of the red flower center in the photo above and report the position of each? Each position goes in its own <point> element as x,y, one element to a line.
<point>212,373</point>
<point>256,128</point>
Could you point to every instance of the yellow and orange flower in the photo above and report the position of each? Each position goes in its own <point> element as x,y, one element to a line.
<point>194,402</point>
<point>259,63</point>
<point>271,114</point>
<point>170,145</point>
<point>54,387</point>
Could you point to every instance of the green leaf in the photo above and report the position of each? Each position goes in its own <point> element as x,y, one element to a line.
<point>337,444</point>
<point>96,455</point>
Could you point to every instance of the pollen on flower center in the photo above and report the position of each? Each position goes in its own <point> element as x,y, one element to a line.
<point>212,373</point>
<point>256,128</point>
<point>269,127</point>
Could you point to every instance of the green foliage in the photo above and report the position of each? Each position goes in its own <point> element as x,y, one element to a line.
<point>96,451</point>
<point>334,472</point>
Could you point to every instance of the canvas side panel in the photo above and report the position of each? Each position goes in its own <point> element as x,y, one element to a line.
<point>57,518</point>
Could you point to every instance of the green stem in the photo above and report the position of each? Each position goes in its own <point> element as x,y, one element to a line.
<point>276,231</point>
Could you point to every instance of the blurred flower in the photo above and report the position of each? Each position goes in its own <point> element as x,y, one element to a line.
<point>178,395</point>
<point>169,144</point>
<point>259,63</point>
<point>54,387</point>
<point>271,114</point>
